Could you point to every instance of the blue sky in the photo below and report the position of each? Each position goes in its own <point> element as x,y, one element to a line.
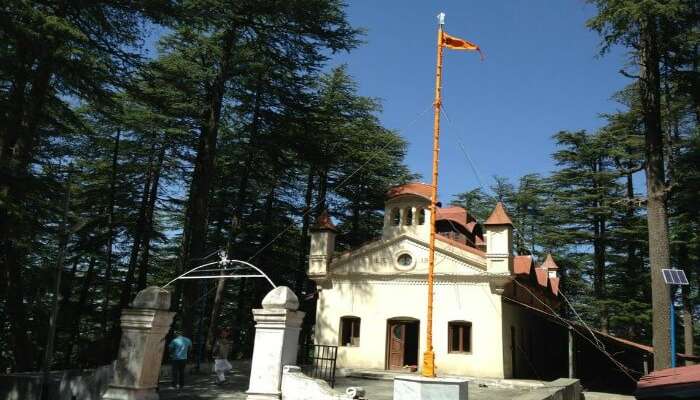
<point>542,74</point>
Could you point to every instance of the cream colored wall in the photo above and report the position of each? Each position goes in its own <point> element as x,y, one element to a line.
<point>381,259</point>
<point>402,203</point>
<point>322,245</point>
<point>376,301</point>
<point>526,328</point>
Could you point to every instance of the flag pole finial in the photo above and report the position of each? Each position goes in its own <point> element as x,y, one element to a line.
<point>441,18</point>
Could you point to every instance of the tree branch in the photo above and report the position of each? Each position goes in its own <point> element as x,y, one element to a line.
<point>624,73</point>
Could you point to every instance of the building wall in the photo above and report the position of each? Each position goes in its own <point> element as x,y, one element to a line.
<point>402,204</point>
<point>541,347</point>
<point>376,301</point>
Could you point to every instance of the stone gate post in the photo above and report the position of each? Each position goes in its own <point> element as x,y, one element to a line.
<point>144,327</point>
<point>276,342</point>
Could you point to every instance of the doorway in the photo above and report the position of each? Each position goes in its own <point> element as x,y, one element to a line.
<point>402,341</point>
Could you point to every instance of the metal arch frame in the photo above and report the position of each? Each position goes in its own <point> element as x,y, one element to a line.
<point>220,276</point>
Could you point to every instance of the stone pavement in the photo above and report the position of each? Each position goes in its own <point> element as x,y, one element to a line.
<point>202,387</point>
<point>383,389</point>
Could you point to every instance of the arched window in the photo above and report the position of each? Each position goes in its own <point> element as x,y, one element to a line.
<point>395,216</point>
<point>421,216</point>
<point>350,331</point>
<point>460,337</point>
<point>408,216</point>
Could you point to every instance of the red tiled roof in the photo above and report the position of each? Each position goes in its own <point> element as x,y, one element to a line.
<point>670,379</point>
<point>542,277</point>
<point>554,283</point>
<point>323,222</point>
<point>460,245</point>
<point>522,265</point>
<point>479,241</point>
<point>455,214</point>
<point>498,216</point>
<point>549,263</point>
<point>415,188</point>
<point>470,226</point>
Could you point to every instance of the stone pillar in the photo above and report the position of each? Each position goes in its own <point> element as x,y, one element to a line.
<point>144,327</point>
<point>276,342</point>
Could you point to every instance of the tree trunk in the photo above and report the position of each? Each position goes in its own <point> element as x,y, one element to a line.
<point>53,318</point>
<point>657,219</point>
<point>684,261</point>
<point>18,138</point>
<point>322,190</point>
<point>110,234</point>
<point>198,205</point>
<point>139,231</point>
<point>204,171</point>
<point>305,222</point>
<point>79,308</point>
<point>150,210</point>
<point>599,249</point>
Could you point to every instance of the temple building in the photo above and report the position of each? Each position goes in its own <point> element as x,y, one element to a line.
<point>489,305</point>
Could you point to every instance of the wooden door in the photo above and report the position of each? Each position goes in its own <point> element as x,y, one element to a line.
<point>397,343</point>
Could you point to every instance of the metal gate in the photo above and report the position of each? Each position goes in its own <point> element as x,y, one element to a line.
<point>318,361</point>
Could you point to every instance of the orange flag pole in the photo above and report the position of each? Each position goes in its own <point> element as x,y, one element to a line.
<point>428,369</point>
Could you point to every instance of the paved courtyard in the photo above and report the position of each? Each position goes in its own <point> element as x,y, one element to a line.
<point>202,387</point>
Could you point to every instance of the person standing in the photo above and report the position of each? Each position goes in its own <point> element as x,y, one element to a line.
<point>179,349</point>
<point>220,352</point>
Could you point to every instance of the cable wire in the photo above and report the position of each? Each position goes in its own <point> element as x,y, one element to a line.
<point>343,182</point>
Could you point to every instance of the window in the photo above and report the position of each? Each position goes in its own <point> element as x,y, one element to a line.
<point>408,216</point>
<point>421,216</point>
<point>350,331</point>
<point>395,216</point>
<point>460,337</point>
<point>405,260</point>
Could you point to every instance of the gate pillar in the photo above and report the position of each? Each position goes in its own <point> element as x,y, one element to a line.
<point>144,327</point>
<point>277,327</point>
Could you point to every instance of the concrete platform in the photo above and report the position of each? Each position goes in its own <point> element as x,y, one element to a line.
<point>412,387</point>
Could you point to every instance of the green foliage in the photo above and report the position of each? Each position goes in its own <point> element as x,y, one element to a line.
<point>245,74</point>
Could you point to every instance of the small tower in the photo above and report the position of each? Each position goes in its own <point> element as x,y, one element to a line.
<point>550,266</point>
<point>499,241</point>
<point>407,211</point>
<point>322,245</point>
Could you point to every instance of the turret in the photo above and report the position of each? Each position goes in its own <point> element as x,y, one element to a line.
<point>322,245</point>
<point>550,266</point>
<point>499,241</point>
<point>407,211</point>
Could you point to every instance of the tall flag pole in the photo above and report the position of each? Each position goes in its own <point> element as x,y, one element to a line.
<point>451,42</point>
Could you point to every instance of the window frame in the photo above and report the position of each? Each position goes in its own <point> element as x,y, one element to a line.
<point>408,216</point>
<point>395,217</point>
<point>460,325</point>
<point>420,216</point>
<point>355,326</point>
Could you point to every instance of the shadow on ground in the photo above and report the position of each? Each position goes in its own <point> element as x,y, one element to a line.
<point>203,386</point>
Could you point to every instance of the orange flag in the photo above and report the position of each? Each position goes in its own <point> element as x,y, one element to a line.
<point>456,43</point>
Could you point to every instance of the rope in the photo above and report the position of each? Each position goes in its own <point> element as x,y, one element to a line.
<point>478,176</point>
<point>597,344</point>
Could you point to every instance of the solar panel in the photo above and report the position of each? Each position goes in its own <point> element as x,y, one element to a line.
<point>674,276</point>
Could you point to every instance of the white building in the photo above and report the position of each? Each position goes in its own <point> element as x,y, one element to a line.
<point>372,301</point>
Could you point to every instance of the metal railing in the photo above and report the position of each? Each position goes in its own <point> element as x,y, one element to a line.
<point>318,361</point>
